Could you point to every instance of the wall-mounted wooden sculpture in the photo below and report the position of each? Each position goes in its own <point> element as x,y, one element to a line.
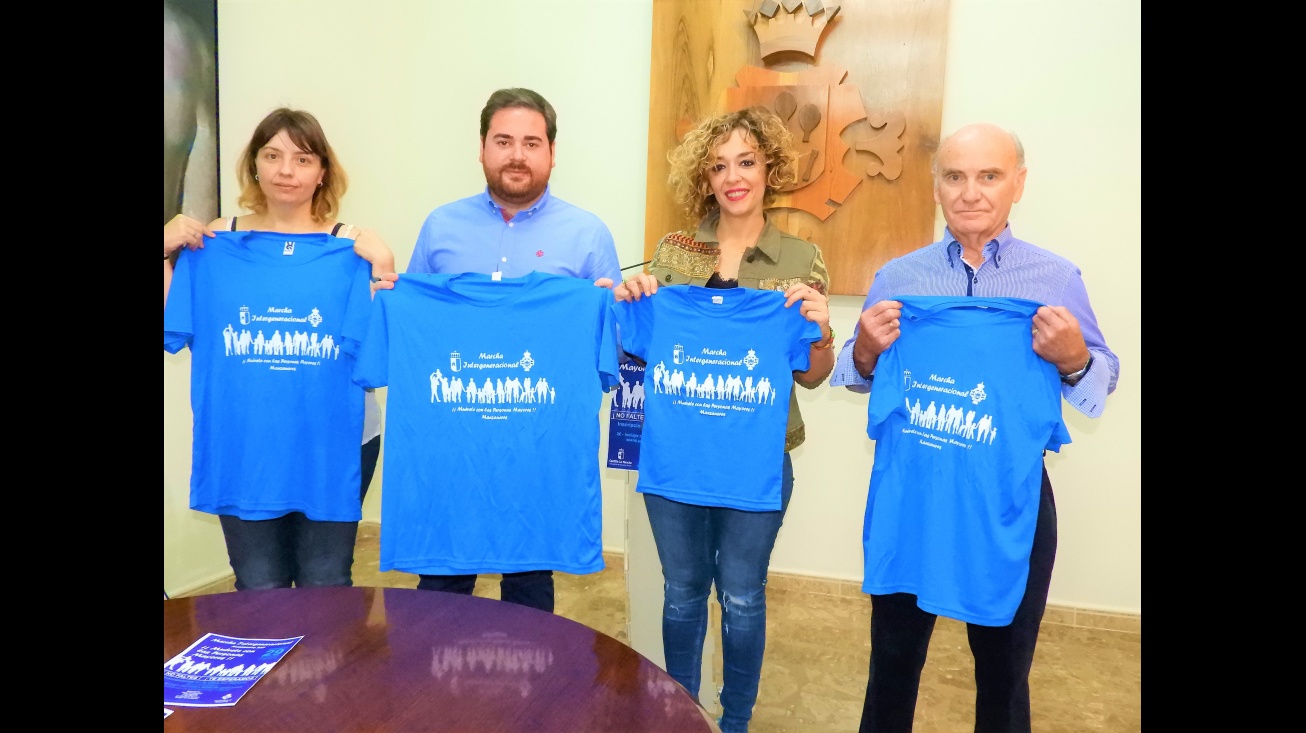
<point>860,84</point>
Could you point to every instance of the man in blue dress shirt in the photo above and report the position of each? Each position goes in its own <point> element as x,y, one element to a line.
<point>513,227</point>
<point>979,173</point>
<point>516,225</point>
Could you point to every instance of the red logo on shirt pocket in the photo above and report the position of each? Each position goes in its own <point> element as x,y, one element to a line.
<point>539,253</point>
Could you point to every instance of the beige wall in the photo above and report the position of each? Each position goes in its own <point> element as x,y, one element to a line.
<point>398,85</point>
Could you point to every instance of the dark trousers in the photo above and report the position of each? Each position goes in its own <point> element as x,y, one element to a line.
<point>900,638</point>
<point>532,588</point>
<point>293,550</point>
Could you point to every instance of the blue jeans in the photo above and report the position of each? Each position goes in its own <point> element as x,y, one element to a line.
<point>531,588</point>
<point>900,638</point>
<point>293,549</point>
<point>702,545</point>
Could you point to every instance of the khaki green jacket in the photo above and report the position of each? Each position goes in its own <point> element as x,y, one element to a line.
<point>777,261</point>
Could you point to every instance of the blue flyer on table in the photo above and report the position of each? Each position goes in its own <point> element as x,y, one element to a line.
<point>217,670</point>
<point>626,423</point>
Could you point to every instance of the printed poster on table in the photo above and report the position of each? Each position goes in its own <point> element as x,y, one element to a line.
<point>217,670</point>
<point>626,423</point>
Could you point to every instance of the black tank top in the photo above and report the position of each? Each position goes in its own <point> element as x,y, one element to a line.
<point>335,230</point>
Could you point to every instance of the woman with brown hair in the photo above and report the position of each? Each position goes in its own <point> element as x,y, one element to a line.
<point>291,184</point>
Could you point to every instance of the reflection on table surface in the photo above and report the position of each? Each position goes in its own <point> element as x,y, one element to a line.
<point>396,659</point>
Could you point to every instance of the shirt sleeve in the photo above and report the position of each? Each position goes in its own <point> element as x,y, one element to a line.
<point>632,333</point>
<point>845,372</point>
<point>178,313</point>
<point>609,363</point>
<point>804,334</point>
<point>421,259</point>
<point>1089,394</point>
<point>358,308</point>
<point>820,274</point>
<point>372,362</point>
<point>602,259</point>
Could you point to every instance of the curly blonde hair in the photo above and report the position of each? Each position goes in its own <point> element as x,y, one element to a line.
<point>306,132</point>
<point>697,152</point>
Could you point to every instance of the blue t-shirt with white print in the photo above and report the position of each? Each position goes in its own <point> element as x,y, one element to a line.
<point>492,431</point>
<point>719,370</point>
<point>272,321</point>
<point>961,411</point>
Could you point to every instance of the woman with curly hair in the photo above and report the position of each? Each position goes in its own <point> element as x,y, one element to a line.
<point>725,172</point>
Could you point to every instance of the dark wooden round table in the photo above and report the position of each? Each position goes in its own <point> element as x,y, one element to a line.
<point>394,659</point>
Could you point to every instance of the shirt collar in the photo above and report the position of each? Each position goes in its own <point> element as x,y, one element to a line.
<point>769,242</point>
<point>993,251</point>
<point>489,204</point>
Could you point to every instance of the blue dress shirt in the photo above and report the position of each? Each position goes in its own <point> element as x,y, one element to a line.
<point>1012,268</point>
<point>553,236</point>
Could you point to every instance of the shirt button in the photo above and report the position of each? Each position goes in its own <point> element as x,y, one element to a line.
<point>976,280</point>
<point>503,259</point>
<point>509,223</point>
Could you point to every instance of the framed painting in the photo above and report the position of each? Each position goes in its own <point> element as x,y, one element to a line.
<point>190,109</point>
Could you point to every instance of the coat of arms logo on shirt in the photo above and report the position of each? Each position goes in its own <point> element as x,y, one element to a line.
<point>315,318</point>
<point>244,315</point>
<point>678,354</point>
<point>527,362</point>
<point>455,361</point>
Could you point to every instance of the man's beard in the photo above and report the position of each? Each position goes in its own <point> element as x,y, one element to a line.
<point>512,192</point>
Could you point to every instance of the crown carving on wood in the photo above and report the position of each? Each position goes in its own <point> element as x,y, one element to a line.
<point>791,30</point>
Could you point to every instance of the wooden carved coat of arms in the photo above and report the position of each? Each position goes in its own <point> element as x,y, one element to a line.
<point>817,104</point>
<point>860,84</point>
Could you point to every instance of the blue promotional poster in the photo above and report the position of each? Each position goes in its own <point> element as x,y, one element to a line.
<point>627,420</point>
<point>217,670</point>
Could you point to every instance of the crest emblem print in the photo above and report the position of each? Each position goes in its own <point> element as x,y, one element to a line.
<point>455,362</point>
<point>244,315</point>
<point>816,105</point>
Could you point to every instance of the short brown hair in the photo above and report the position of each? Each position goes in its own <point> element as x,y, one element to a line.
<point>519,97</point>
<point>305,131</point>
